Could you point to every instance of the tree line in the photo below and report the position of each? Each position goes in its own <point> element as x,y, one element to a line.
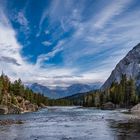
<point>17,88</point>
<point>123,94</point>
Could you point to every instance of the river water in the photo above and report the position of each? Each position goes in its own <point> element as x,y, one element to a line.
<point>71,123</point>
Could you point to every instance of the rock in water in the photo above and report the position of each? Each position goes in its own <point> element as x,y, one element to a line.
<point>3,109</point>
<point>135,109</point>
<point>108,106</point>
<point>13,109</point>
<point>42,105</point>
<point>31,107</point>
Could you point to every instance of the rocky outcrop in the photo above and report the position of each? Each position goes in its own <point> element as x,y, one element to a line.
<point>31,107</point>
<point>20,105</point>
<point>129,66</point>
<point>6,99</point>
<point>13,109</point>
<point>3,109</point>
<point>108,106</point>
<point>136,109</point>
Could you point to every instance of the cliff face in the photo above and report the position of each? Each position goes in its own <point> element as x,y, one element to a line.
<point>16,105</point>
<point>129,65</point>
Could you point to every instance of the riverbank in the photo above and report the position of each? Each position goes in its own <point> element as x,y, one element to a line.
<point>17,105</point>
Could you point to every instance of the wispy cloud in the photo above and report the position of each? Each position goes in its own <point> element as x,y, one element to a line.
<point>47,32</point>
<point>90,44</point>
<point>10,47</point>
<point>115,8</point>
<point>9,60</point>
<point>46,43</point>
<point>20,18</point>
<point>45,57</point>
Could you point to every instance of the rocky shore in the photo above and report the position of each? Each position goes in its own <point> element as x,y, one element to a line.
<point>10,122</point>
<point>20,105</point>
<point>136,110</point>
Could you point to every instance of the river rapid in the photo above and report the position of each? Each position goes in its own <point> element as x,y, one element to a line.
<point>71,123</point>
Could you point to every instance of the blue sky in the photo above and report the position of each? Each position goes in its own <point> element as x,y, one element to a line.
<point>61,42</point>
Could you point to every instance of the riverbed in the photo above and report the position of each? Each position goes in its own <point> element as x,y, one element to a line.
<point>71,123</point>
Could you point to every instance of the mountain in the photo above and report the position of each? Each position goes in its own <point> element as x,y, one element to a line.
<point>129,66</point>
<point>60,92</point>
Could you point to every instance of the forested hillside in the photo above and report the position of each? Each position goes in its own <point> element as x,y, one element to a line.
<point>123,94</point>
<point>16,98</point>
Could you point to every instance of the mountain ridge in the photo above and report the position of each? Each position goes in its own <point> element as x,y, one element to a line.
<point>61,92</point>
<point>129,66</point>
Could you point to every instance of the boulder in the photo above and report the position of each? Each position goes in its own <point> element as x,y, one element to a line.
<point>135,109</point>
<point>42,105</point>
<point>19,99</point>
<point>27,102</point>
<point>3,109</point>
<point>108,106</point>
<point>22,105</point>
<point>13,109</point>
<point>31,107</point>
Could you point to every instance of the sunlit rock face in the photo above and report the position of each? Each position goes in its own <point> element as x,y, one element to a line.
<point>129,65</point>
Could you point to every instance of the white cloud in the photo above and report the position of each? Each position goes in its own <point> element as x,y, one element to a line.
<point>91,40</point>
<point>46,43</point>
<point>20,18</point>
<point>64,13</point>
<point>9,47</point>
<point>45,57</point>
<point>110,11</point>
<point>47,32</point>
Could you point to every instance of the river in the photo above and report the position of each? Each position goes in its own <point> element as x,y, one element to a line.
<point>71,123</point>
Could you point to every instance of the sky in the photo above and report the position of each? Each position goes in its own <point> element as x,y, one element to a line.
<point>62,42</point>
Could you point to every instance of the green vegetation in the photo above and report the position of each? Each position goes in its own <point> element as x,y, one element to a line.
<point>7,88</point>
<point>123,94</point>
<point>59,102</point>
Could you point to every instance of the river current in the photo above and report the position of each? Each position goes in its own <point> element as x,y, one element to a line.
<point>71,123</point>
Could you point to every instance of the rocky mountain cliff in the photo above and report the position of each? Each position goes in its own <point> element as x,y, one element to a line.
<point>129,65</point>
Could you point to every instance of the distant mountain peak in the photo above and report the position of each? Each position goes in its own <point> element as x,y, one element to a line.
<point>61,92</point>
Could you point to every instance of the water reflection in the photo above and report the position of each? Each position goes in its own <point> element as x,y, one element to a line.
<point>126,130</point>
